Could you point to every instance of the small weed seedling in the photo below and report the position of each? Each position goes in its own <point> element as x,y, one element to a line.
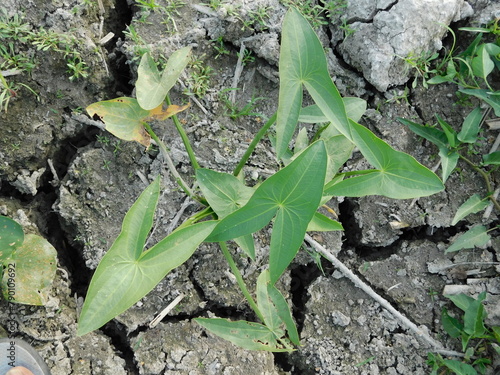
<point>288,200</point>
<point>17,45</point>
<point>478,340</point>
<point>471,70</point>
<point>233,110</point>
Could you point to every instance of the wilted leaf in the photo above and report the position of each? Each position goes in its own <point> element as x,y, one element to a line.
<point>161,114</point>
<point>34,267</point>
<point>123,117</point>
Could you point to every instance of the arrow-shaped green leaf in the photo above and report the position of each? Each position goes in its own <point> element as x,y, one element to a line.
<point>303,63</point>
<point>293,195</point>
<point>127,273</point>
<point>398,175</point>
<point>151,87</point>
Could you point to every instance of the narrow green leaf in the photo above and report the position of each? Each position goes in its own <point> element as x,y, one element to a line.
<point>301,141</point>
<point>247,335</point>
<point>11,236</point>
<point>436,80</point>
<point>474,317</point>
<point>266,306</point>
<point>492,159</point>
<point>470,206</point>
<point>481,64</point>
<point>450,133</point>
<point>338,148</point>
<point>477,236</point>
<point>321,223</point>
<point>475,29</point>
<point>433,135</point>
<point>30,271</point>
<point>449,160</point>
<point>284,313</point>
<point>470,127</point>
<point>151,88</point>
<point>301,55</point>
<point>451,325</point>
<point>486,95</point>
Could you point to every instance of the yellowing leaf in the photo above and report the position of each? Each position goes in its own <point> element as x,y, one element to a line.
<point>123,118</point>
<point>161,114</point>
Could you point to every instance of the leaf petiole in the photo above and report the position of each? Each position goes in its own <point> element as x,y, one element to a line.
<point>171,167</point>
<point>184,137</point>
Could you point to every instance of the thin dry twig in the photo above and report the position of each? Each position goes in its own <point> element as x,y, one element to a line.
<point>165,311</point>
<point>405,322</point>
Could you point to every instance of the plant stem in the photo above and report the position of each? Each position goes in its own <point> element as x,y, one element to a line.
<point>239,280</point>
<point>484,175</point>
<point>184,137</point>
<point>184,186</point>
<point>253,144</point>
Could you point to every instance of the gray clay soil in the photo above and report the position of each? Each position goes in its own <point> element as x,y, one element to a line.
<point>78,206</point>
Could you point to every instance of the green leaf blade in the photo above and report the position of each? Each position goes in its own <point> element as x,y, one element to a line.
<point>247,335</point>
<point>470,127</point>
<point>298,198</point>
<point>449,160</point>
<point>151,88</point>
<point>476,236</point>
<point>482,65</point>
<point>223,191</point>
<point>470,206</point>
<point>433,135</point>
<point>11,236</point>
<point>322,223</point>
<point>492,158</point>
<point>301,54</point>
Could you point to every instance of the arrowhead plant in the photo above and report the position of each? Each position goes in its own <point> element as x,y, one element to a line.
<point>286,202</point>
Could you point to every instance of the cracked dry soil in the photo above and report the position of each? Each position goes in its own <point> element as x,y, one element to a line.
<point>78,204</point>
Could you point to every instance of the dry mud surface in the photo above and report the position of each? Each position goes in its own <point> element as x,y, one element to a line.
<point>78,204</point>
